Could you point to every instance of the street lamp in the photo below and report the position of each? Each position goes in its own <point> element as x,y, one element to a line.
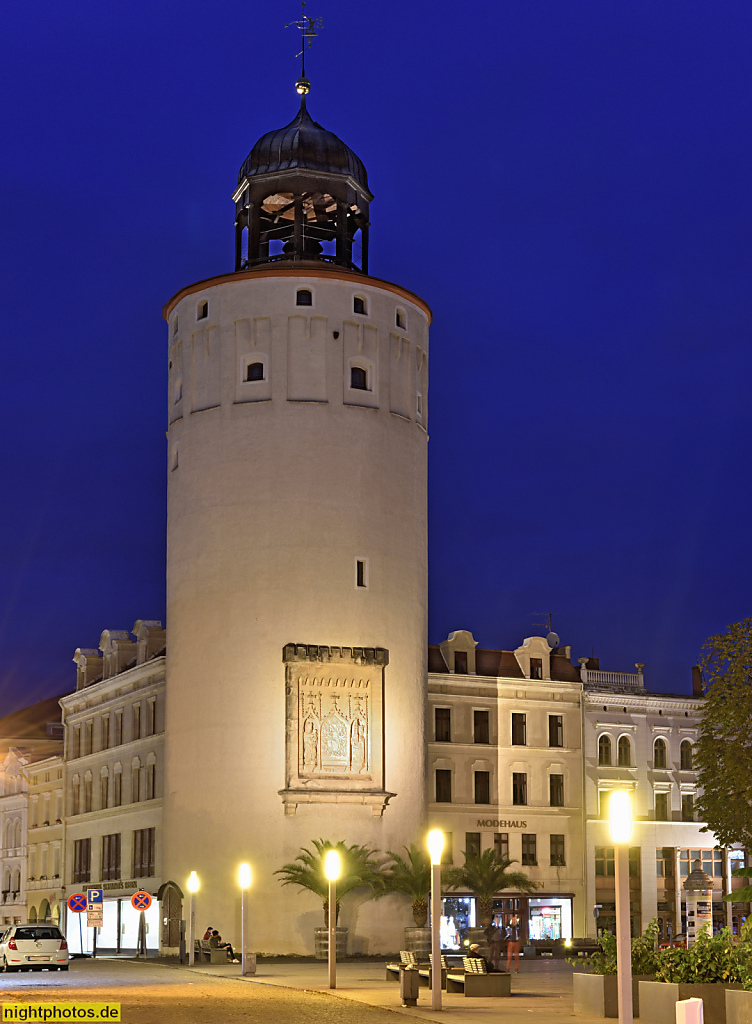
<point>244,878</point>
<point>435,849</point>
<point>621,832</point>
<point>192,889</point>
<point>331,870</point>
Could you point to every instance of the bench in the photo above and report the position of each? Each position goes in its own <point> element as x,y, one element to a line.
<point>424,972</point>
<point>206,953</point>
<point>476,981</point>
<point>407,959</point>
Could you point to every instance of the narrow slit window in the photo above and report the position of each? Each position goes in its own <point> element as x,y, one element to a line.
<point>359,378</point>
<point>419,404</point>
<point>202,310</point>
<point>254,371</point>
<point>359,305</point>
<point>304,297</point>
<point>400,319</point>
<point>361,575</point>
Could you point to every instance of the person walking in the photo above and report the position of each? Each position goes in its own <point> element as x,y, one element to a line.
<point>495,938</point>
<point>513,943</point>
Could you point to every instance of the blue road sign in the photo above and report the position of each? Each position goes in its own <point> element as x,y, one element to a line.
<point>94,896</point>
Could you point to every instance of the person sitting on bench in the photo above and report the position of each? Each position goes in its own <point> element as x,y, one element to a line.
<point>475,954</point>
<point>215,942</point>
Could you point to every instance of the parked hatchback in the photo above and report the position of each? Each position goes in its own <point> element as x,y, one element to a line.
<point>33,947</point>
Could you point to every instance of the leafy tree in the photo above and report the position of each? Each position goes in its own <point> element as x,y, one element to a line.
<point>724,749</point>
<point>410,876</point>
<point>486,874</point>
<point>358,869</point>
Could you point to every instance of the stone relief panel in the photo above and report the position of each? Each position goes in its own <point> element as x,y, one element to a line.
<point>335,725</point>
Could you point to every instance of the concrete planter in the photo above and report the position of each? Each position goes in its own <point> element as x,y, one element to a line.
<point>597,995</point>
<point>659,999</point>
<point>738,1006</point>
<point>418,940</point>
<point>322,943</point>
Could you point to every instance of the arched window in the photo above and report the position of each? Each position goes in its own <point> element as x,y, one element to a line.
<point>151,777</point>
<point>359,378</point>
<point>16,885</point>
<point>686,755</point>
<point>202,310</point>
<point>659,754</point>
<point>604,750</point>
<point>17,843</point>
<point>135,780</point>
<point>254,371</point>
<point>304,297</point>
<point>624,751</point>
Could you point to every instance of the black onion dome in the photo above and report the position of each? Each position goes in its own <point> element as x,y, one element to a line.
<point>303,143</point>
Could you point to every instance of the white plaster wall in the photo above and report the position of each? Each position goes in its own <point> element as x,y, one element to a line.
<point>275,495</point>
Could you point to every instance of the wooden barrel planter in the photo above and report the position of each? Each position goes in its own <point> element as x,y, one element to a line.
<point>418,940</point>
<point>322,943</point>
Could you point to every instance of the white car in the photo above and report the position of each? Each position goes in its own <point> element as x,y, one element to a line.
<point>33,947</point>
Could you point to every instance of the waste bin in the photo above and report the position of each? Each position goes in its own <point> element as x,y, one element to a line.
<point>409,986</point>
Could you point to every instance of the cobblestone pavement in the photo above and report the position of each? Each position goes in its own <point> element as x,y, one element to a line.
<point>154,995</point>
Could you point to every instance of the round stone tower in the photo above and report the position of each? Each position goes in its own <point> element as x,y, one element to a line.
<point>296,551</point>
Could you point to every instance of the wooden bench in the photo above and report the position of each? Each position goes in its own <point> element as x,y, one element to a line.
<point>407,959</point>
<point>476,981</point>
<point>425,972</point>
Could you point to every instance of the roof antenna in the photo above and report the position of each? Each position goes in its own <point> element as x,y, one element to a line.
<point>307,27</point>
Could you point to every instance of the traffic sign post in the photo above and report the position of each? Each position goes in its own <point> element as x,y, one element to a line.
<point>141,901</point>
<point>94,913</point>
<point>77,903</point>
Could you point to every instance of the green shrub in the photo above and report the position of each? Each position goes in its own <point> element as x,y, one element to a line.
<point>711,958</point>
<point>644,954</point>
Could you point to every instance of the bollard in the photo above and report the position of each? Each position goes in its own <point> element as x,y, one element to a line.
<point>689,1011</point>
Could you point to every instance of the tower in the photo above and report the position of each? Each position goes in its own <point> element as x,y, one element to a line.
<point>296,553</point>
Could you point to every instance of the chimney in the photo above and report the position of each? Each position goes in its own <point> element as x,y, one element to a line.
<point>697,681</point>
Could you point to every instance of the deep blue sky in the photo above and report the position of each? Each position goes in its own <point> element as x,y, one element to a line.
<point>566,183</point>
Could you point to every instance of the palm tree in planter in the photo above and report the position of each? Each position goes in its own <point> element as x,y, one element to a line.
<point>358,870</point>
<point>410,876</point>
<point>486,874</point>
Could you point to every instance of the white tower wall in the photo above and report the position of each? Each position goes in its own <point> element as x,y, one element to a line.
<point>275,488</point>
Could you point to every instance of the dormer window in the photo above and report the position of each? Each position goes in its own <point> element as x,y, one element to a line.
<point>536,668</point>
<point>202,310</point>
<point>254,371</point>
<point>304,297</point>
<point>359,378</point>
<point>359,305</point>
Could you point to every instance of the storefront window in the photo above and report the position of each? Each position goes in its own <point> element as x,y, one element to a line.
<point>550,918</point>
<point>458,915</point>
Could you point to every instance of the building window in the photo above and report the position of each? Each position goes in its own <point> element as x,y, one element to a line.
<point>664,862</point>
<point>604,861</point>
<point>105,731</point>
<point>460,663</point>
<point>136,721</point>
<point>104,791</point>
<point>304,297</point>
<point>151,781</point>
<point>711,861</point>
<point>135,782</point>
<point>519,788</point>
<point>361,573</point>
<point>481,732</point>
<point>151,716</point>
<point>111,856</point>
<point>659,754</point>
<point>529,854</point>
<point>519,729</point>
<point>418,404</point>
<point>483,787</point>
<point>661,806</point>
<point>202,310</point>
<point>604,799</point>
<point>556,790</point>
<point>143,852</point>
<point>686,756</point>
<point>501,844</point>
<point>443,786</point>
<point>254,371</point>
<point>89,734</point>
<point>117,789</point>
<point>447,854</point>
<point>400,319</point>
<point>359,378</point>
<point>536,668</point>
<point>688,807</point>
<point>118,728</point>
<point>557,851</point>
<point>624,752</point>
<point>442,718</point>
<point>87,793</point>
<point>472,844</point>
<point>555,731</point>
<point>76,752</point>
<point>604,750</point>
<point>82,860</point>
<point>359,305</point>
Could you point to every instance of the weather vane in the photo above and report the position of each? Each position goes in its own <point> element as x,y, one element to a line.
<point>307,27</point>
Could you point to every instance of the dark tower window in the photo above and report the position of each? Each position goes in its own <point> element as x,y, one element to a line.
<point>304,297</point>
<point>358,378</point>
<point>202,310</point>
<point>400,319</point>
<point>360,573</point>
<point>359,305</point>
<point>255,371</point>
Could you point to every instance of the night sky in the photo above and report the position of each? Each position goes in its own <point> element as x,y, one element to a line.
<point>567,184</point>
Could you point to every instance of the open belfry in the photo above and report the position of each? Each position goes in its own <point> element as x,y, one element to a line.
<point>296,547</point>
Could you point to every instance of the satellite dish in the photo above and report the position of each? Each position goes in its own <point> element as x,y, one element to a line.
<point>552,640</point>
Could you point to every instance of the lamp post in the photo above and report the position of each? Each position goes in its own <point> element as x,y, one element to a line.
<point>192,889</point>
<point>621,833</point>
<point>244,878</point>
<point>331,869</point>
<point>435,849</point>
